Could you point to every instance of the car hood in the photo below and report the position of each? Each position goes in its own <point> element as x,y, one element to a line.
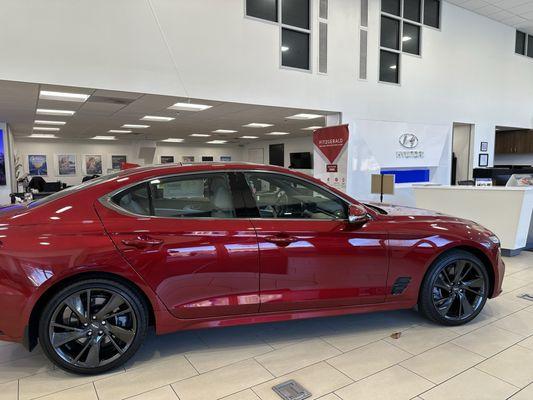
<point>417,214</point>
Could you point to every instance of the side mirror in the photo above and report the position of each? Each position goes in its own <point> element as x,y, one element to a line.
<point>357,214</point>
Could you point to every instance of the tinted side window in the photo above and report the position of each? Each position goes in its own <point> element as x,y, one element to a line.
<point>279,196</point>
<point>197,196</point>
<point>136,200</point>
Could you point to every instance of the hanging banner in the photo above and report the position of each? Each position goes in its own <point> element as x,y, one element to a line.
<point>330,155</point>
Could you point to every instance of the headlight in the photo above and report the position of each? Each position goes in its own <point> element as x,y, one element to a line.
<point>494,239</point>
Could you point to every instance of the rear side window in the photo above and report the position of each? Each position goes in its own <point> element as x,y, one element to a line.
<point>196,196</point>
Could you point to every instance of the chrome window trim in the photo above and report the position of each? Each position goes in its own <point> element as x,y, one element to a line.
<point>106,200</point>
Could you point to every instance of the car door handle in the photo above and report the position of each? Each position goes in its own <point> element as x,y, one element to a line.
<point>282,241</point>
<point>142,242</point>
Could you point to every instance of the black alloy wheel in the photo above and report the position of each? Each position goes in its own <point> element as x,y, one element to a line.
<point>93,326</point>
<point>455,289</point>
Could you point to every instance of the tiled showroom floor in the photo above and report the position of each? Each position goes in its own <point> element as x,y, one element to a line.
<point>349,357</point>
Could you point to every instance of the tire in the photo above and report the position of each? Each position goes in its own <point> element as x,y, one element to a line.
<point>450,301</point>
<point>97,338</point>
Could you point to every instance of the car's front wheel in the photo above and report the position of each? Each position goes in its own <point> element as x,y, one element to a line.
<point>455,289</point>
<point>93,326</point>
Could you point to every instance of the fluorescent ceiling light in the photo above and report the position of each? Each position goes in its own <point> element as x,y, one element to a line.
<point>133,126</point>
<point>249,137</point>
<point>119,131</point>
<point>62,96</point>
<point>46,128</point>
<point>257,125</point>
<point>393,67</point>
<point>199,135</point>
<point>285,48</point>
<point>43,122</point>
<point>278,133</point>
<point>46,111</point>
<point>217,141</point>
<point>103,138</point>
<point>224,131</point>
<point>157,118</point>
<point>406,38</point>
<point>189,107</point>
<point>43,135</point>
<point>311,128</point>
<point>304,116</point>
<point>173,140</point>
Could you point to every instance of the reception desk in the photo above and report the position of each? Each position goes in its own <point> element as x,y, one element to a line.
<point>507,211</point>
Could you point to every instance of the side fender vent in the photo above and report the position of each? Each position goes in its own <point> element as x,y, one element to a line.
<point>400,285</point>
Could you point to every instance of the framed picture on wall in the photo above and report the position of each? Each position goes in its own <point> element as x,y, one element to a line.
<point>483,160</point>
<point>207,158</point>
<point>167,159</point>
<point>225,158</point>
<point>37,164</point>
<point>93,164</point>
<point>66,164</point>
<point>116,161</point>
<point>187,159</point>
<point>484,147</point>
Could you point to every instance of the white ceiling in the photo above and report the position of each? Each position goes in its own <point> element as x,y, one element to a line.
<point>105,110</point>
<point>515,13</point>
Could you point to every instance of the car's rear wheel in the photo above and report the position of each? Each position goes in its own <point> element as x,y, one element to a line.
<point>93,326</point>
<point>455,289</point>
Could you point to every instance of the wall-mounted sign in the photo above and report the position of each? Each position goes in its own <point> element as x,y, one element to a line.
<point>484,147</point>
<point>409,140</point>
<point>332,168</point>
<point>330,141</point>
<point>330,158</point>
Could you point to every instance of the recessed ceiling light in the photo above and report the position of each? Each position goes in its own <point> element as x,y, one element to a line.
<point>43,122</point>
<point>103,138</point>
<point>278,133</point>
<point>62,96</point>
<point>217,141</point>
<point>304,116</point>
<point>199,135</point>
<point>257,125</point>
<point>43,135</point>
<point>189,107</point>
<point>119,131</point>
<point>157,118</point>
<point>249,137</point>
<point>224,131</point>
<point>311,128</point>
<point>173,140</point>
<point>46,128</point>
<point>133,126</point>
<point>46,111</point>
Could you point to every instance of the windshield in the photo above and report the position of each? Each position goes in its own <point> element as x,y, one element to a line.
<point>73,189</point>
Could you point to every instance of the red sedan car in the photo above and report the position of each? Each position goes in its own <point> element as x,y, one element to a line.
<point>84,272</point>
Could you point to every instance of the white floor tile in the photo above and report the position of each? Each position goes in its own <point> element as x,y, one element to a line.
<point>422,338</point>
<point>488,340</point>
<point>520,323</point>
<point>394,383</point>
<point>514,365</point>
<point>247,394</point>
<point>443,362</point>
<point>367,360</point>
<point>282,361</point>
<point>524,394</point>
<point>24,367</point>
<point>470,385</point>
<point>142,379</point>
<point>222,382</point>
<point>162,393</point>
<point>9,391</point>
<point>83,392</point>
<point>318,379</point>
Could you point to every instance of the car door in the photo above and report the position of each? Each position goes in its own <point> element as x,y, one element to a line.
<point>182,234</point>
<point>310,256</point>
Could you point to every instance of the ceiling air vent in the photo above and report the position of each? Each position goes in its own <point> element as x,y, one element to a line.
<point>110,100</point>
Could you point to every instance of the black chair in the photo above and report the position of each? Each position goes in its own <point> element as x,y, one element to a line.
<point>38,183</point>
<point>52,187</point>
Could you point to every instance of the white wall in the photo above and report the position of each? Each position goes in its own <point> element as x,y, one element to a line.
<point>468,71</point>
<point>513,159</point>
<point>52,148</point>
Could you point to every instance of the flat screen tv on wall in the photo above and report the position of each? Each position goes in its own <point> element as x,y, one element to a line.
<point>301,161</point>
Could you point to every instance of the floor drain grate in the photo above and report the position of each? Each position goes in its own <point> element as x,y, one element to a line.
<point>526,296</point>
<point>291,390</point>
